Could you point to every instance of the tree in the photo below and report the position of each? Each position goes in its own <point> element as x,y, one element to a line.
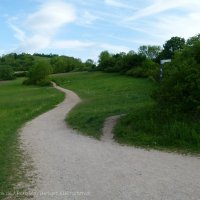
<point>38,74</point>
<point>150,51</point>
<point>6,72</point>
<point>59,64</point>
<point>62,64</point>
<point>105,60</point>
<point>132,60</point>
<point>192,40</point>
<point>20,62</point>
<point>179,90</point>
<point>90,64</point>
<point>171,46</point>
<point>24,61</point>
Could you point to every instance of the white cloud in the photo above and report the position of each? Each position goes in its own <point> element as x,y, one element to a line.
<point>115,3</point>
<point>34,44</point>
<point>71,44</point>
<point>164,19</point>
<point>119,4</point>
<point>19,34</point>
<point>185,26</point>
<point>87,18</point>
<point>114,25</point>
<point>38,30</point>
<point>50,17</point>
<point>163,5</point>
<point>114,48</point>
<point>80,45</point>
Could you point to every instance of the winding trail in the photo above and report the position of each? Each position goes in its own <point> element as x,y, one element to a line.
<point>72,167</point>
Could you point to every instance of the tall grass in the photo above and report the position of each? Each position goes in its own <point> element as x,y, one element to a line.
<point>155,128</point>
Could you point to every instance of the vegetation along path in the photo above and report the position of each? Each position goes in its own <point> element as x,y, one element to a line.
<point>72,166</point>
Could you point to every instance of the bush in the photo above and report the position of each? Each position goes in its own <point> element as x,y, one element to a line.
<point>27,82</point>
<point>44,82</point>
<point>137,72</point>
<point>147,69</point>
<point>38,74</point>
<point>179,90</point>
<point>6,72</point>
<point>151,69</point>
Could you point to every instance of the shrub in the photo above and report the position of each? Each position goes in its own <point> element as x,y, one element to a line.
<point>38,74</point>
<point>179,90</point>
<point>137,72</point>
<point>27,82</point>
<point>151,69</point>
<point>44,82</point>
<point>147,69</point>
<point>6,72</point>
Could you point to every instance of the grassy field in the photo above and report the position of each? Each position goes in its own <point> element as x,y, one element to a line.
<point>19,104</point>
<point>154,128</point>
<point>144,125</point>
<point>103,95</point>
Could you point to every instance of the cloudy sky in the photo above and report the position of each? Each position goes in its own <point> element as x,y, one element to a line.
<point>84,28</point>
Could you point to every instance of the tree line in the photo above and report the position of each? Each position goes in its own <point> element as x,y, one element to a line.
<point>60,64</point>
<point>144,63</point>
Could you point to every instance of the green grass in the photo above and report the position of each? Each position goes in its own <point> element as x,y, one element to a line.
<point>144,125</point>
<point>19,104</point>
<point>155,128</point>
<point>103,95</point>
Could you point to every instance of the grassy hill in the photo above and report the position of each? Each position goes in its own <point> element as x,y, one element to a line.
<point>144,125</point>
<point>104,95</point>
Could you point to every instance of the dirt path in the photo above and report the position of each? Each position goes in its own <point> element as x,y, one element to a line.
<point>71,166</point>
<point>109,124</point>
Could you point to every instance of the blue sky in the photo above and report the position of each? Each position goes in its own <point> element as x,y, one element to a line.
<point>85,28</point>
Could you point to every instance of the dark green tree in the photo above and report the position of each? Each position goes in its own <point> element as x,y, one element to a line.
<point>89,65</point>
<point>105,61</point>
<point>6,72</point>
<point>180,88</point>
<point>171,46</point>
<point>38,74</point>
<point>192,40</point>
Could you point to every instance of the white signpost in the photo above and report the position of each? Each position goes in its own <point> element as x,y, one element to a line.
<point>165,61</point>
<point>162,62</point>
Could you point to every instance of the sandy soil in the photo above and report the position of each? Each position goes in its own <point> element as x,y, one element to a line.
<point>71,166</point>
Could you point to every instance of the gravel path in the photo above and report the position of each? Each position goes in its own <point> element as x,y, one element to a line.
<point>72,167</point>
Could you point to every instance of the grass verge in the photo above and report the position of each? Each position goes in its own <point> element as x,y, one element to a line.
<point>18,104</point>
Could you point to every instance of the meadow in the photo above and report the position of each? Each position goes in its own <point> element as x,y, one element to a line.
<point>19,104</point>
<point>144,124</point>
<point>103,95</point>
